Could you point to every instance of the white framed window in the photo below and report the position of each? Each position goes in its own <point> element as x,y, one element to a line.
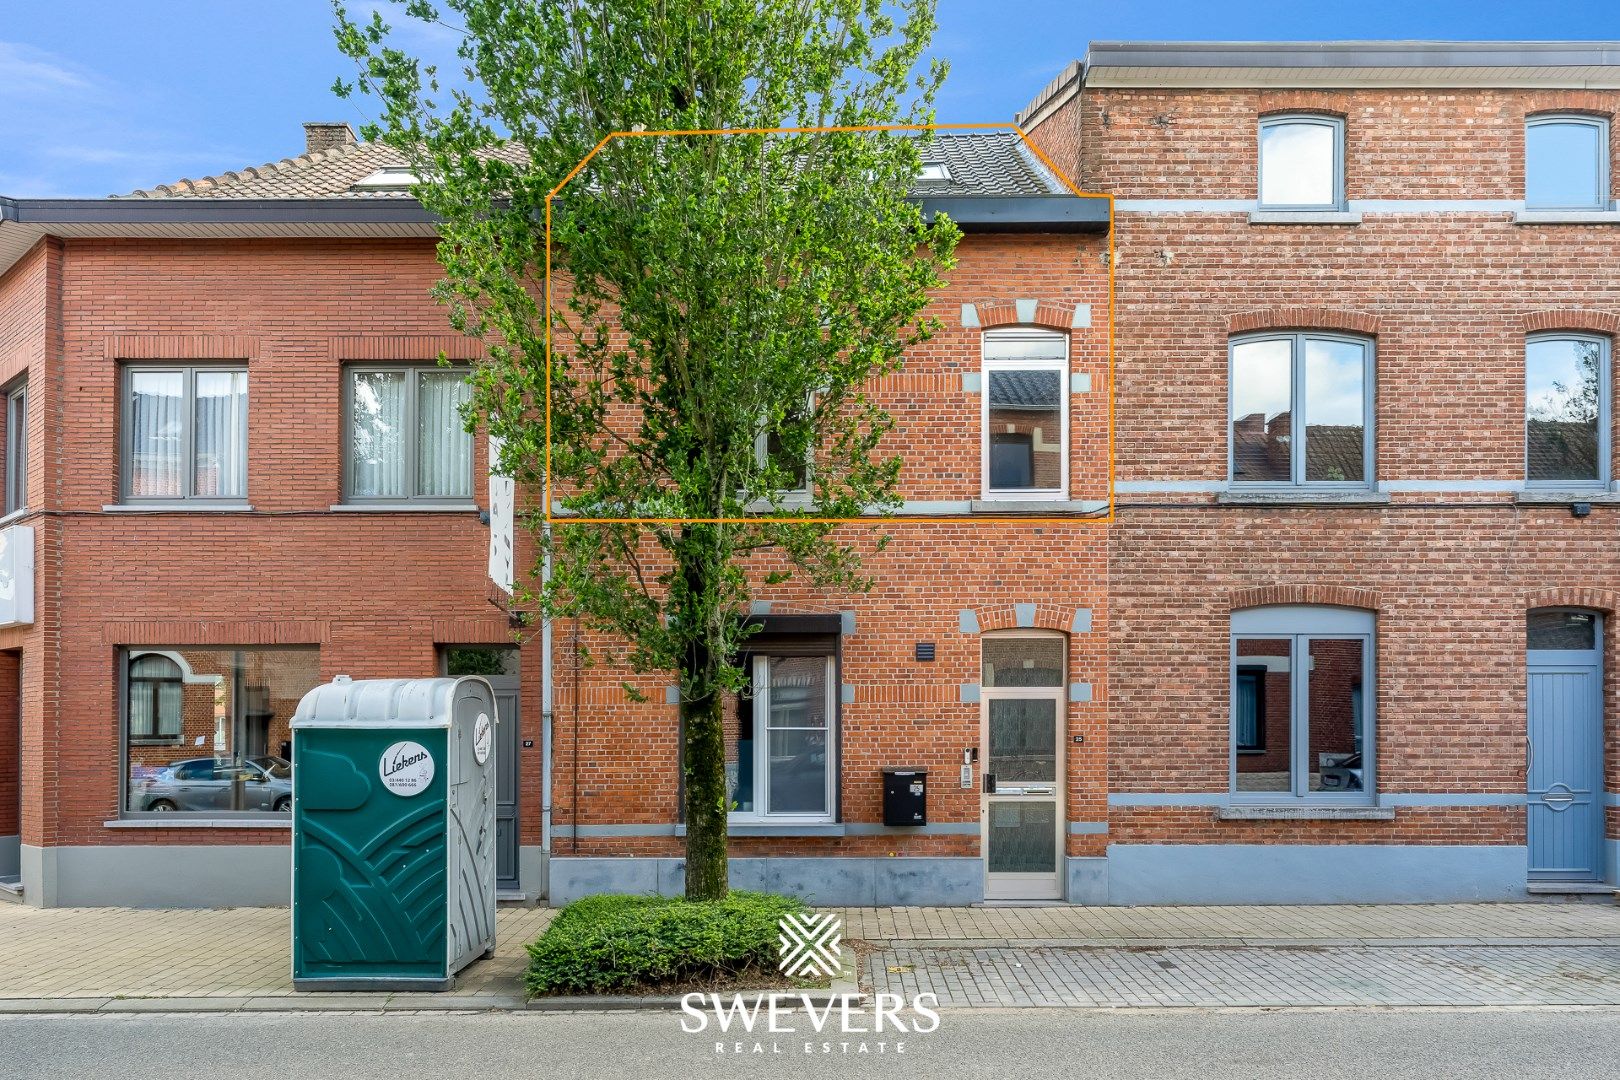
<point>185,433</point>
<point>1302,705</point>
<point>1566,410</point>
<point>404,436</point>
<point>782,741</point>
<point>1301,407</point>
<point>1025,414</point>
<point>1301,162</point>
<point>1566,162</point>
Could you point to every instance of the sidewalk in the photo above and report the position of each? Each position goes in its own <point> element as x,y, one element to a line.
<point>114,959</point>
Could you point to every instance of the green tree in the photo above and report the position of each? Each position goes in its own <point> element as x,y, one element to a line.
<point>719,302</point>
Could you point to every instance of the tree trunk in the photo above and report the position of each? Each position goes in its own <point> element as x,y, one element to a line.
<point>707,801</point>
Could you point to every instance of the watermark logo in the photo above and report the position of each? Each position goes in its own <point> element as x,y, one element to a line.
<point>810,945</point>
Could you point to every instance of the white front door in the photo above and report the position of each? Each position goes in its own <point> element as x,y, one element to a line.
<point>1022,800</point>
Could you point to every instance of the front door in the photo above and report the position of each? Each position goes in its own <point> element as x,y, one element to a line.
<point>1021,735</point>
<point>500,665</point>
<point>1564,751</point>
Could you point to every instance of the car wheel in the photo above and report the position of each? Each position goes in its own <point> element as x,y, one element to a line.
<point>162,805</point>
<point>283,805</point>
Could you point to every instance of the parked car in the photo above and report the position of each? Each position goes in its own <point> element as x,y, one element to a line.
<point>261,783</point>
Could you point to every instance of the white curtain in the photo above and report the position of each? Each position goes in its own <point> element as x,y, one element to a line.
<point>220,434</point>
<point>157,429</point>
<point>444,447</point>
<point>376,435</point>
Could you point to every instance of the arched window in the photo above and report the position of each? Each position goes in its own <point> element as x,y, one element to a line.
<point>1302,704</point>
<point>1566,162</point>
<point>156,691</point>
<point>1301,409</point>
<point>1026,414</point>
<point>1566,409</point>
<point>1301,162</point>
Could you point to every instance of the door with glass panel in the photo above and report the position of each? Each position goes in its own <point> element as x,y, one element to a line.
<point>1564,746</point>
<point>1021,736</point>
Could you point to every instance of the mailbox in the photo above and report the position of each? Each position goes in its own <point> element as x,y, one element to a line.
<point>905,797</point>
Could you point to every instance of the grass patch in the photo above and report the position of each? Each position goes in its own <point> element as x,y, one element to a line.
<point>633,944</point>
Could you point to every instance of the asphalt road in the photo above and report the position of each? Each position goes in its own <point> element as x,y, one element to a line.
<point>1166,1044</point>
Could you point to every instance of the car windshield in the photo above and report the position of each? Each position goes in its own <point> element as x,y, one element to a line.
<point>278,768</point>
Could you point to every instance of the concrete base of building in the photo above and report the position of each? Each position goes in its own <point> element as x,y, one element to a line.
<point>1314,873</point>
<point>1087,880</point>
<point>10,856</point>
<point>157,875</point>
<point>854,882</point>
<point>533,881</point>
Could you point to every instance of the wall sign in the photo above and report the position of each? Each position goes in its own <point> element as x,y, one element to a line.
<point>406,768</point>
<point>483,737</point>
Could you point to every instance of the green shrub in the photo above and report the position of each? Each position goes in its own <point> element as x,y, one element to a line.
<point>600,944</point>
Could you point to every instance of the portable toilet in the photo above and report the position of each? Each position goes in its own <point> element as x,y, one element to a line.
<point>393,833</point>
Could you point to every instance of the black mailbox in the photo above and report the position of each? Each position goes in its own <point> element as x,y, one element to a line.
<point>905,797</point>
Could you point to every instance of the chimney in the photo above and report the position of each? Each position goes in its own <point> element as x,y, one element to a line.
<point>320,135</point>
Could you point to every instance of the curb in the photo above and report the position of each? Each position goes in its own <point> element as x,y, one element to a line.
<point>844,985</point>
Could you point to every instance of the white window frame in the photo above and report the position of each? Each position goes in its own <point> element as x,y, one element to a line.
<point>1604,418</point>
<point>760,689</point>
<point>1604,150</point>
<point>410,445</point>
<point>1297,419</point>
<point>989,364</point>
<point>1336,123</point>
<point>1301,624</point>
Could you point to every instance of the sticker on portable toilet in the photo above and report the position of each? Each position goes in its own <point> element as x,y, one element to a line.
<point>483,737</point>
<point>406,768</point>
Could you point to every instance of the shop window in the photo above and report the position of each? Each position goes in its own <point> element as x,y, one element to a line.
<point>1566,409</point>
<point>1301,409</point>
<point>1566,163</point>
<point>1026,414</point>
<point>1302,725</point>
<point>1301,163</point>
<point>185,434</point>
<point>406,440</point>
<point>207,730</point>
<point>781,740</point>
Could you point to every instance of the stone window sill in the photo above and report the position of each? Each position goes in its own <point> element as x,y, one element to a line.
<point>15,515</point>
<point>1550,497</point>
<point>1567,217</point>
<point>201,821</point>
<point>1304,217</point>
<point>1235,496</point>
<point>180,507</point>
<point>994,505</point>
<point>403,508</point>
<point>762,828</point>
<point>1304,813</point>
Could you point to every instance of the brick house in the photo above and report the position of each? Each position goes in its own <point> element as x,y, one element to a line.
<point>1343,638</point>
<point>1358,654</point>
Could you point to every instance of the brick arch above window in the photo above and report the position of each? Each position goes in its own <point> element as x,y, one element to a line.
<point>1303,317</point>
<point>1049,314</point>
<point>1005,617</point>
<point>1588,102</point>
<point>1314,595</point>
<point>1310,102</point>
<point>1600,322</point>
<point>1574,596</point>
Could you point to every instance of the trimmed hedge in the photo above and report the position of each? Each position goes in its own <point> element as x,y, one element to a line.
<point>600,944</point>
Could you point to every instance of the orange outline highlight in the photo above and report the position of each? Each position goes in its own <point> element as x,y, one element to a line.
<point>1049,519</point>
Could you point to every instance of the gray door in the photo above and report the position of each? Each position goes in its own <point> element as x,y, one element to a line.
<point>1564,764</point>
<point>506,781</point>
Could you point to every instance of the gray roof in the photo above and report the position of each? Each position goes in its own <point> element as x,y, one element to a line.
<point>993,164</point>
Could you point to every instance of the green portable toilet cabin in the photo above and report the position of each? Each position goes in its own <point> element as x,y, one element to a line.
<point>393,833</point>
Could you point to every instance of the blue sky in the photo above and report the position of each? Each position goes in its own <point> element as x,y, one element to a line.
<point>102,96</point>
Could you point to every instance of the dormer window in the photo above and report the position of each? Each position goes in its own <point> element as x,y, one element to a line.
<point>1566,163</point>
<point>934,172</point>
<point>391,178</point>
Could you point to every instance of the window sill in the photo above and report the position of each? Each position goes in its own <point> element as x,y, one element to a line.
<point>1304,217</point>
<point>1302,497</point>
<point>1304,813</point>
<point>181,820</point>
<point>1565,496</point>
<point>762,828</point>
<point>994,505</point>
<point>403,508</point>
<point>177,508</point>
<point>15,515</point>
<point>1567,217</point>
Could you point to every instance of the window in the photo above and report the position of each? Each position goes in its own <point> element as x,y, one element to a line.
<point>206,730</point>
<point>1301,406</point>
<point>1302,724</point>
<point>780,740</point>
<point>16,448</point>
<point>186,433</point>
<point>1301,163</point>
<point>1561,631</point>
<point>1566,163</point>
<point>407,441</point>
<point>1566,409</point>
<point>771,449</point>
<point>1026,414</point>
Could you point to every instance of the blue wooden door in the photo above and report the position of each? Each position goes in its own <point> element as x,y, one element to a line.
<point>1565,765</point>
